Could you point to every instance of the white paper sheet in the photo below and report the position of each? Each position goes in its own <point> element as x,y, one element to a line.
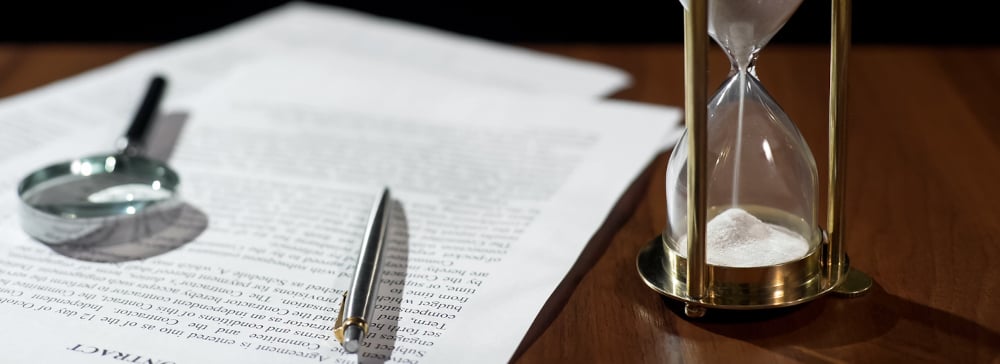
<point>107,96</point>
<point>498,192</point>
<point>193,63</point>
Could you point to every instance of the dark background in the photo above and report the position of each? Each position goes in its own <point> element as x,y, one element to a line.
<point>624,21</point>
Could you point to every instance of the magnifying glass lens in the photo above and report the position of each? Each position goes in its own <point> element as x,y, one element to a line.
<point>106,199</point>
<point>112,186</point>
<point>130,192</point>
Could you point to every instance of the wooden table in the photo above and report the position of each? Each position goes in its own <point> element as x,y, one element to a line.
<point>923,213</point>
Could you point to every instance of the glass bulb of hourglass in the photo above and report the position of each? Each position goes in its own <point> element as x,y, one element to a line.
<point>743,27</point>
<point>762,177</point>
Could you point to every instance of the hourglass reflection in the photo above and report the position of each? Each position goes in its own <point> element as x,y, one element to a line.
<point>762,246</point>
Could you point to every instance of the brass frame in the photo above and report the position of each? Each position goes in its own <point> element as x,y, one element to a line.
<point>826,268</point>
<point>696,116</point>
<point>664,268</point>
<point>840,43</point>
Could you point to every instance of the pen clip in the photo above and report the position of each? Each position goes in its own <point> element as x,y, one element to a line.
<point>338,331</point>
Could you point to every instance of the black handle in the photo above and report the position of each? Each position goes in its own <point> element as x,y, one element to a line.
<point>136,133</point>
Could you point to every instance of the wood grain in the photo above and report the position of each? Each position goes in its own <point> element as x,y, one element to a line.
<point>25,67</point>
<point>923,213</point>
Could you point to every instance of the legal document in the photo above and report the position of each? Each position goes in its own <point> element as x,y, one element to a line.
<point>108,95</point>
<point>496,194</point>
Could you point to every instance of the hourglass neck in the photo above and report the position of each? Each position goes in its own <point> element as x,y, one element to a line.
<point>743,60</point>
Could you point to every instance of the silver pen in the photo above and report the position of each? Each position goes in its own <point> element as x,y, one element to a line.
<point>356,307</point>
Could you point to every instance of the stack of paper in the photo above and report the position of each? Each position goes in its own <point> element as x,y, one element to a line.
<point>502,165</point>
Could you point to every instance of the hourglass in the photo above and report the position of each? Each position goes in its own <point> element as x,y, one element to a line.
<point>742,229</point>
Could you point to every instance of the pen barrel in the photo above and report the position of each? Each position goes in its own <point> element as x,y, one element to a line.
<point>364,286</point>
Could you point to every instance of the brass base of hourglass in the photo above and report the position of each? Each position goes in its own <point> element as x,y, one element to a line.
<point>664,269</point>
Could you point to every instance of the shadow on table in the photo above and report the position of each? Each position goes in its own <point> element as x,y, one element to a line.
<point>877,327</point>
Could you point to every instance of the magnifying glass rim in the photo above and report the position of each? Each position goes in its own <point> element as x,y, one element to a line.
<point>169,180</point>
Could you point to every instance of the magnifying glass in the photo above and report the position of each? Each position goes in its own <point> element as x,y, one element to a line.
<point>103,199</point>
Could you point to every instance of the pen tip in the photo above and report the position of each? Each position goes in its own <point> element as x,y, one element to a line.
<point>352,338</point>
<point>352,346</point>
